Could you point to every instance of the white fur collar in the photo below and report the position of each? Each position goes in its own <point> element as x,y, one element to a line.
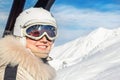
<point>11,51</point>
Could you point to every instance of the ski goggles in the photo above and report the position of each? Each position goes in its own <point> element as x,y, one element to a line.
<point>38,31</point>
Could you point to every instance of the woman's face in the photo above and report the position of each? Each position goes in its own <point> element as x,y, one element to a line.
<point>39,48</point>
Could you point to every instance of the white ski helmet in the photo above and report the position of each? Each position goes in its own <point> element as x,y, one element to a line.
<point>31,17</point>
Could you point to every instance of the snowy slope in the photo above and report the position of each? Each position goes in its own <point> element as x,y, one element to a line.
<point>94,57</point>
<point>102,65</point>
<point>75,51</point>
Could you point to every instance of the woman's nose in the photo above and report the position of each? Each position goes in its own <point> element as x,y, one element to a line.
<point>43,39</point>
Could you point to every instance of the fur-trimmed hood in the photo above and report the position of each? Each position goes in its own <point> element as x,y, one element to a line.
<point>13,52</point>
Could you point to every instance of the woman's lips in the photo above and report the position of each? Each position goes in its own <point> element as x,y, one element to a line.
<point>42,46</point>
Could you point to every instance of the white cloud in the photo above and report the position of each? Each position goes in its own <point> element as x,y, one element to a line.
<point>3,16</point>
<point>4,12</point>
<point>67,15</point>
<point>72,20</point>
<point>3,20</point>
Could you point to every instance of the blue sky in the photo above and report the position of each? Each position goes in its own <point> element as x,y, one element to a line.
<point>75,18</point>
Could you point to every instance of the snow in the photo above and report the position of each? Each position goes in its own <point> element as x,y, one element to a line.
<point>92,57</point>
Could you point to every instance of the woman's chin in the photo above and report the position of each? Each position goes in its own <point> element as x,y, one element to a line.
<point>41,55</point>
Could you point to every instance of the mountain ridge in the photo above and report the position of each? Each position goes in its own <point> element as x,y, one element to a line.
<point>74,51</point>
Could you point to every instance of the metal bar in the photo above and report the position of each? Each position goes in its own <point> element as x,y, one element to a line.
<point>17,8</point>
<point>49,4</point>
<point>46,4</point>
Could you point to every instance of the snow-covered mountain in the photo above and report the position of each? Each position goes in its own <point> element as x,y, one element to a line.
<point>93,57</point>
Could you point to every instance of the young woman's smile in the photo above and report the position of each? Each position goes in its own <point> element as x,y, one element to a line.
<point>40,47</point>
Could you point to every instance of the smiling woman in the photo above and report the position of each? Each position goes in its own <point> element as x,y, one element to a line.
<point>28,52</point>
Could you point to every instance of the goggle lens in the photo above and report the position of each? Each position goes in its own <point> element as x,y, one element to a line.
<point>37,31</point>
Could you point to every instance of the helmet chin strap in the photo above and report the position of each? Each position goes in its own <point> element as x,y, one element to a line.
<point>23,41</point>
